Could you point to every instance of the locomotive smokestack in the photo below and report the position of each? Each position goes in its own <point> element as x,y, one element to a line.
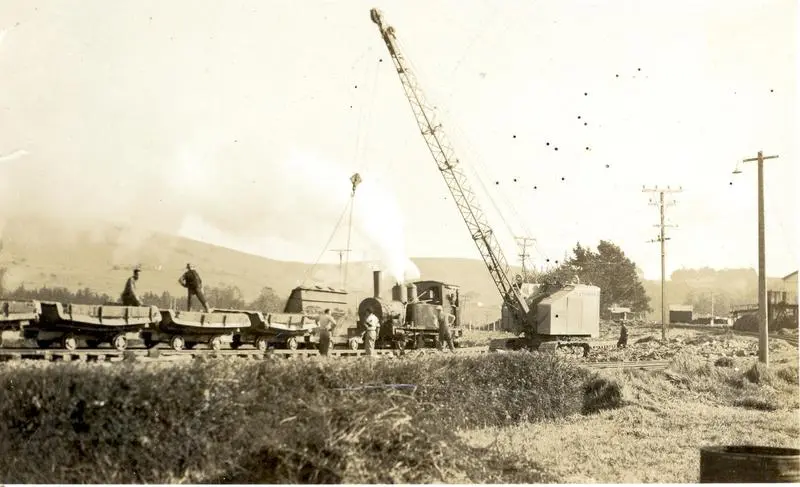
<point>412,293</point>
<point>397,292</point>
<point>376,284</point>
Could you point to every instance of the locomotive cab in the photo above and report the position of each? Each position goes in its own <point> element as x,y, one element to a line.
<point>427,296</point>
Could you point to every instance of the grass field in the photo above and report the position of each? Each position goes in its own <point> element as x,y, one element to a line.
<point>433,418</point>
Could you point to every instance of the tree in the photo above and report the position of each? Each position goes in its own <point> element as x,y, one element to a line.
<point>609,269</point>
<point>267,301</point>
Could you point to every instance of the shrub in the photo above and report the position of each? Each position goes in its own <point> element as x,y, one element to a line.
<point>760,374</point>
<point>788,374</point>
<point>600,393</point>
<point>724,362</point>
<point>756,402</point>
<point>363,421</point>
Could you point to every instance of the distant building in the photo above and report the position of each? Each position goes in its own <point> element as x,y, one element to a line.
<point>681,313</point>
<point>781,306</point>
<point>619,313</point>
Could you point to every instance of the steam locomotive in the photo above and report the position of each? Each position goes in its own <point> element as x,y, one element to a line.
<point>408,320</point>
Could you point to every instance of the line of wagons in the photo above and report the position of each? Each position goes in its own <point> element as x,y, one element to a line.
<point>70,325</point>
<point>407,320</point>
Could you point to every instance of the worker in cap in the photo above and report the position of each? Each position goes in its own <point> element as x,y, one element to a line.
<point>445,320</point>
<point>194,286</point>
<point>129,295</point>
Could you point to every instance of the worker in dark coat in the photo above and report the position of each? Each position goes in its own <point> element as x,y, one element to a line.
<point>445,336</point>
<point>194,285</point>
<point>129,295</point>
<point>326,325</point>
<point>623,337</point>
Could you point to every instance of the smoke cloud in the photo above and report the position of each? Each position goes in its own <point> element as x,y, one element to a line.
<point>13,156</point>
<point>210,190</point>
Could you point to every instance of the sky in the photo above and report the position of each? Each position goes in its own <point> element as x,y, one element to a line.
<point>239,123</point>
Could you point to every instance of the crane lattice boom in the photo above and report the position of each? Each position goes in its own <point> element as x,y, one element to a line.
<point>454,176</point>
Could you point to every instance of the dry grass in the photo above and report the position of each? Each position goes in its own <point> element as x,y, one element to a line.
<point>383,421</point>
<point>667,417</point>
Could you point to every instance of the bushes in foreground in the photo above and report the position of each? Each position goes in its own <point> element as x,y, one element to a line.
<point>275,422</point>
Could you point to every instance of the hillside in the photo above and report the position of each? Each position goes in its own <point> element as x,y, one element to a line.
<point>38,252</point>
<point>41,252</point>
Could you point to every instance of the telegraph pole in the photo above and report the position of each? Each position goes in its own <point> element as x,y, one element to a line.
<point>662,239</point>
<point>763,324</point>
<point>523,255</point>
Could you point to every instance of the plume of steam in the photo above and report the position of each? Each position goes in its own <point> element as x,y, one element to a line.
<point>323,189</point>
<point>14,155</point>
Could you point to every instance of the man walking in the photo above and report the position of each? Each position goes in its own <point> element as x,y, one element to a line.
<point>129,295</point>
<point>372,324</point>
<point>444,329</point>
<point>326,325</point>
<point>194,285</point>
<point>623,337</point>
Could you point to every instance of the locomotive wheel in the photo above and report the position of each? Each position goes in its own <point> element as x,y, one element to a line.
<point>119,342</point>
<point>262,344</point>
<point>177,342</point>
<point>215,343</point>
<point>69,342</point>
<point>353,344</point>
<point>291,343</point>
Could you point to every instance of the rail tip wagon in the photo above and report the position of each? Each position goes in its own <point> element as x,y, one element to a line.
<point>67,324</point>
<point>186,329</point>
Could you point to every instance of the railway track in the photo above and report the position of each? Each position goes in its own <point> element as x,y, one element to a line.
<point>791,340</point>
<point>109,355</point>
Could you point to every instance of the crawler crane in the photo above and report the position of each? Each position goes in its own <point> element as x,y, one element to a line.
<point>543,319</point>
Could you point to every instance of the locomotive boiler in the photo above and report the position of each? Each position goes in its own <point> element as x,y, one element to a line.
<point>408,319</point>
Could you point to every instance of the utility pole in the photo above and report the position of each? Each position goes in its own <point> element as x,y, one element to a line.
<point>523,255</point>
<point>712,308</point>
<point>662,239</point>
<point>763,324</point>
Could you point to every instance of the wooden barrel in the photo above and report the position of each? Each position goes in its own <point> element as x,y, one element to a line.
<point>749,464</point>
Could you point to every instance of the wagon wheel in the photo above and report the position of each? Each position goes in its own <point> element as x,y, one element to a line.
<point>353,344</point>
<point>262,343</point>
<point>119,342</point>
<point>291,343</point>
<point>177,342</point>
<point>69,342</point>
<point>215,343</point>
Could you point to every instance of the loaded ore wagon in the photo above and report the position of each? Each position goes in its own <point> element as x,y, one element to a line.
<point>66,324</point>
<point>189,328</point>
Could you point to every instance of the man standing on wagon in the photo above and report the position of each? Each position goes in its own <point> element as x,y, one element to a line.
<point>194,285</point>
<point>129,295</point>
